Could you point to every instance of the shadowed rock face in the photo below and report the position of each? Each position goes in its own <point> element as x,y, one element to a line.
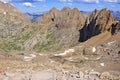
<point>98,22</point>
<point>11,20</point>
<point>116,28</point>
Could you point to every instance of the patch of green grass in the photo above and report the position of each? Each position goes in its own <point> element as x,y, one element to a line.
<point>46,46</point>
<point>40,47</point>
<point>9,46</point>
<point>80,62</point>
<point>13,44</point>
<point>23,38</point>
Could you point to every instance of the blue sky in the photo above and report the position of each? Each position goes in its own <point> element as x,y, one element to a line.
<point>34,6</point>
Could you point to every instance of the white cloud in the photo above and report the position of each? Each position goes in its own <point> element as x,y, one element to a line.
<point>5,1</point>
<point>111,0</point>
<point>66,0</point>
<point>85,1</point>
<point>28,4</point>
<point>38,0</point>
<point>91,1</point>
<point>21,0</point>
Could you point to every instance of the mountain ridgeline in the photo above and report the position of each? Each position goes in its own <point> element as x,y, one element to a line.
<point>55,30</point>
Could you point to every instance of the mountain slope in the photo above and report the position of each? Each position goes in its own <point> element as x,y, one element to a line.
<point>53,31</point>
<point>12,20</point>
<point>57,30</point>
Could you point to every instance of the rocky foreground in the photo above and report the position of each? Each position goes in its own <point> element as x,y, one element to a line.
<point>102,64</point>
<point>77,63</point>
<point>60,75</point>
<point>51,70</point>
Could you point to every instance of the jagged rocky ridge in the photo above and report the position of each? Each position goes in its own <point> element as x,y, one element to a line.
<point>98,22</point>
<point>58,30</point>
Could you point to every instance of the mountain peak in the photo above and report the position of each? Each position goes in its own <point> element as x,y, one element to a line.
<point>66,9</point>
<point>75,9</point>
<point>53,10</point>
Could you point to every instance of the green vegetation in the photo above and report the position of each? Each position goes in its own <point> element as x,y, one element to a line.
<point>45,46</point>
<point>10,46</point>
<point>49,44</point>
<point>13,44</point>
<point>40,47</point>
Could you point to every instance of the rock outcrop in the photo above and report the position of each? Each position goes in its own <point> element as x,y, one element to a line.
<point>12,20</point>
<point>116,28</point>
<point>98,22</point>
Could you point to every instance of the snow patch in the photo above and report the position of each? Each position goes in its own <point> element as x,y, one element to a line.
<point>93,49</point>
<point>70,59</point>
<point>33,55</point>
<point>51,61</point>
<point>102,64</point>
<point>62,54</point>
<point>92,70</point>
<point>86,58</point>
<point>27,58</point>
<point>71,50</point>
<point>4,13</point>
<point>98,58</point>
<point>43,54</point>
<point>117,21</point>
<point>65,52</point>
<point>111,43</point>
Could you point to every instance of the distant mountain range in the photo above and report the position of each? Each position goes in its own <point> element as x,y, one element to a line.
<point>35,16</point>
<point>116,15</point>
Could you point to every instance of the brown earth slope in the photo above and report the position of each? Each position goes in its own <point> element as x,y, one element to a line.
<point>11,20</point>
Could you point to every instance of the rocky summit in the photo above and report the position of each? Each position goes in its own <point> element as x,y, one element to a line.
<point>62,45</point>
<point>98,22</point>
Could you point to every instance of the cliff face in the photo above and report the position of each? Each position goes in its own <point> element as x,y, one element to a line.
<point>11,20</point>
<point>98,22</point>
